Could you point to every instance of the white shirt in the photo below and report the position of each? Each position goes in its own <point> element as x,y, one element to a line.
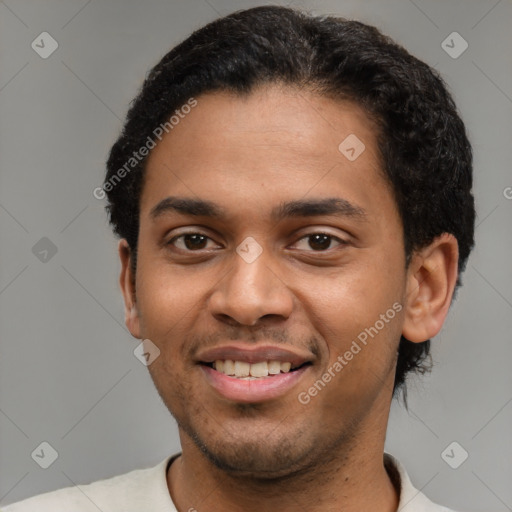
<point>144,490</point>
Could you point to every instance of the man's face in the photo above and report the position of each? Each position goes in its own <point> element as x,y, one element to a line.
<point>304,299</point>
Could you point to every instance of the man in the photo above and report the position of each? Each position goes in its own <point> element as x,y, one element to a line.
<point>293,198</point>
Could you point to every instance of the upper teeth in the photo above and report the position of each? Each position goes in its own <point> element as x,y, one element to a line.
<point>244,369</point>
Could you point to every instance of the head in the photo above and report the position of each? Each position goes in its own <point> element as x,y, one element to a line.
<point>262,102</point>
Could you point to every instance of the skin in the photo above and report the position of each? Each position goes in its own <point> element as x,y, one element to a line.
<point>249,155</point>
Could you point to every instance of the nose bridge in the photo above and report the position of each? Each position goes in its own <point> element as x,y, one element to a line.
<point>251,288</point>
<point>250,275</point>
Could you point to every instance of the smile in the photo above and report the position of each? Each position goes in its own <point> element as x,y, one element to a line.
<point>245,370</point>
<point>242,382</point>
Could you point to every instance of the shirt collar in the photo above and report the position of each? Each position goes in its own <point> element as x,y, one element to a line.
<point>410,498</point>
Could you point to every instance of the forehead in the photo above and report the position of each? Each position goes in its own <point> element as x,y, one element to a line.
<point>278,141</point>
<point>275,116</point>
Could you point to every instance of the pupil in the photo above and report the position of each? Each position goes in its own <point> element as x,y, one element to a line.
<point>195,239</point>
<point>319,244</point>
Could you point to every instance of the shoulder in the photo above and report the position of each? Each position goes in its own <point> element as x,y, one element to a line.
<point>411,499</point>
<point>125,492</point>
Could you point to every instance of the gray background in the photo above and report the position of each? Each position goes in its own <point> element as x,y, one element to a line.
<point>68,375</point>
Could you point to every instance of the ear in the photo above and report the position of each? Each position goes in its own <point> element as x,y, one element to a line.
<point>431,279</point>
<point>127,283</point>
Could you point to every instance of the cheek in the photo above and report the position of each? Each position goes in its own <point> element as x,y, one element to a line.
<point>354,299</point>
<point>168,298</point>
<point>176,392</point>
<point>358,314</point>
<point>361,334</point>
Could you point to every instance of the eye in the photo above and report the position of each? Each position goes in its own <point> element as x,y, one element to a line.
<point>193,242</point>
<point>320,242</point>
<point>190,241</point>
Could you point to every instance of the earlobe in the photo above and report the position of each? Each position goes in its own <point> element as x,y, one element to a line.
<point>431,280</point>
<point>127,284</point>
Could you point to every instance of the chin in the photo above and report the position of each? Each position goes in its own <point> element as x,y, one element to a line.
<point>253,454</point>
<point>256,460</point>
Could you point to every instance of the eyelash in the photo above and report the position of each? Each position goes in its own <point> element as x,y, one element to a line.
<point>332,237</point>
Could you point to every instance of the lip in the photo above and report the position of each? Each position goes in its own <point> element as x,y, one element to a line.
<point>252,391</point>
<point>255,354</point>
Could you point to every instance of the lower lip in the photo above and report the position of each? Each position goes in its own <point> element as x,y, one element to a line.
<point>255,390</point>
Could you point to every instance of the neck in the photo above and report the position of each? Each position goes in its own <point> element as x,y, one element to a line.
<point>354,478</point>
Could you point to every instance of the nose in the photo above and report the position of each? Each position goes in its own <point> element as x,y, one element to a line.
<point>251,291</point>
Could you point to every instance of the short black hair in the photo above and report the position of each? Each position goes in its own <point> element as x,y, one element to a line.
<point>423,146</point>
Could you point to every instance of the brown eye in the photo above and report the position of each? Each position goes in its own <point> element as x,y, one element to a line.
<point>190,241</point>
<point>320,242</point>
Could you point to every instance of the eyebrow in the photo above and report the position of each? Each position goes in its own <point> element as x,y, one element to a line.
<point>299,208</point>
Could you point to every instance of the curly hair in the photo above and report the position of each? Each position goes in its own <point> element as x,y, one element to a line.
<point>422,142</point>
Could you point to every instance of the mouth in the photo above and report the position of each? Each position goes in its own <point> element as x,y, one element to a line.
<point>251,371</point>
<point>245,374</point>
